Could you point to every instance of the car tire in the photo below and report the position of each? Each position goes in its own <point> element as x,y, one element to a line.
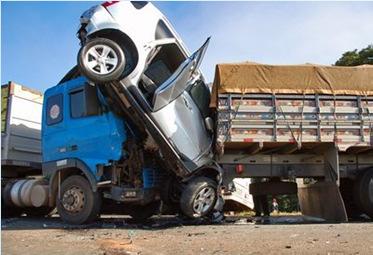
<point>199,197</point>
<point>143,212</point>
<point>78,203</point>
<point>102,60</point>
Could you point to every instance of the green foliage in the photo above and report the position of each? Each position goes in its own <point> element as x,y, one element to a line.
<point>286,203</point>
<point>355,57</point>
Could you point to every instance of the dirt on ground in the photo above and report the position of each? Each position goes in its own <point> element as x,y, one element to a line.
<point>117,235</point>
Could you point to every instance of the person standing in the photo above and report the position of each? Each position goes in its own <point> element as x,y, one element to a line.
<point>274,205</point>
<point>260,201</point>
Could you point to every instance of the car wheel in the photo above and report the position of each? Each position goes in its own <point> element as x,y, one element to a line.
<point>102,60</point>
<point>78,204</point>
<point>199,197</point>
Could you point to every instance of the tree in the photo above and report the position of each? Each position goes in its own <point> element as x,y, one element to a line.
<point>355,57</point>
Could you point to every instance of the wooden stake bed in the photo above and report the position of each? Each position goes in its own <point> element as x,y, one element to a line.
<point>302,120</point>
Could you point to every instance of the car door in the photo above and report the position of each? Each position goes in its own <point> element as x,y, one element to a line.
<point>177,115</point>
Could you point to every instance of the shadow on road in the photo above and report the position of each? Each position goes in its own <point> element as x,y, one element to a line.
<point>105,222</point>
<point>154,223</point>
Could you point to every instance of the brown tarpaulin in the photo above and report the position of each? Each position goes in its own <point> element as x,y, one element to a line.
<point>243,78</point>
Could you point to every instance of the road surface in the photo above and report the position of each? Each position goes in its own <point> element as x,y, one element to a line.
<point>116,235</point>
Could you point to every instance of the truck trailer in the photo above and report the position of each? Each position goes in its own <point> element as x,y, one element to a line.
<point>309,124</point>
<point>21,155</point>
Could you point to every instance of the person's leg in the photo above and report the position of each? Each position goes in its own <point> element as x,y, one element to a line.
<point>257,206</point>
<point>264,203</point>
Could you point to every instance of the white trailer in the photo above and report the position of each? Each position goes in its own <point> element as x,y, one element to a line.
<point>21,157</point>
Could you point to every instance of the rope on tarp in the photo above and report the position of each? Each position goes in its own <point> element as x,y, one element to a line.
<point>370,122</point>
<point>289,127</point>
<point>235,112</point>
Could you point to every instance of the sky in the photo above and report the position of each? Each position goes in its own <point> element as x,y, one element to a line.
<point>39,45</point>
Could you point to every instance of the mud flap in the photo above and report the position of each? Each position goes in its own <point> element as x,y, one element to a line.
<point>322,200</point>
<point>218,214</point>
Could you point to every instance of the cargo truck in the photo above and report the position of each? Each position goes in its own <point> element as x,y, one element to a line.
<point>309,124</point>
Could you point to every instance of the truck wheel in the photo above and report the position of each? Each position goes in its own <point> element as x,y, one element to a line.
<point>78,204</point>
<point>102,60</point>
<point>364,192</point>
<point>347,191</point>
<point>143,212</point>
<point>199,197</point>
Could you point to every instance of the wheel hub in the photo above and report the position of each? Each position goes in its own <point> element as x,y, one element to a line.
<point>204,200</point>
<point>101,59</point>
<point>73,199</point>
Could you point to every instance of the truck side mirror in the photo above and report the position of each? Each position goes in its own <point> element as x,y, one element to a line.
<point>209,124</point>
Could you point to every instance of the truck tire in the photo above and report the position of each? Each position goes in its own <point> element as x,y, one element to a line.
<point>144,212</point>
<point>199,197</point>
<point>78,203</point>
<point>364,192</point>
<point>102,60</point>
<point>347,191</point>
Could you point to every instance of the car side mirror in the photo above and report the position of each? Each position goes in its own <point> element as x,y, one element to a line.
<point>209,124</point>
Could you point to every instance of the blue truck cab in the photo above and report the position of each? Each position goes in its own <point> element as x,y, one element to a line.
<point>78,126</point>
<point>87,155</point>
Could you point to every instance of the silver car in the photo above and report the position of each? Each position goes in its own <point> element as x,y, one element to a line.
<point>132,46</point>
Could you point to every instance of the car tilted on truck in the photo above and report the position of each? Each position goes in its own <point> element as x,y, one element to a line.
<point>133,141</point>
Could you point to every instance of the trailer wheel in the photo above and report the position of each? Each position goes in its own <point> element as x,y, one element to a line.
<point>78,204</point>
<point>364,192</point>
<point>143,212</point>
<point>102,60</point>
<point>199,197</point>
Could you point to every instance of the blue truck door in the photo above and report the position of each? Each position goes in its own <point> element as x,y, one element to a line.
<point>84,129</point>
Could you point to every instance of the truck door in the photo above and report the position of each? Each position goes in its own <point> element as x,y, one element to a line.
<point>176,113</point>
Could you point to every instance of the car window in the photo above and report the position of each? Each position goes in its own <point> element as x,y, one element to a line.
<point>200,94</point>
<point>163,65</point>
<point>54,109</point>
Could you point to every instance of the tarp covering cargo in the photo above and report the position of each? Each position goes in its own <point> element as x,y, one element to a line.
<point>248,77</point>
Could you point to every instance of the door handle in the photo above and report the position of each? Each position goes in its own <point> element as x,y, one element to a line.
<point>186,103</point>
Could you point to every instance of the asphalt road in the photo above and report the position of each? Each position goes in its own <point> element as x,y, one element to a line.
<point>119,235</point>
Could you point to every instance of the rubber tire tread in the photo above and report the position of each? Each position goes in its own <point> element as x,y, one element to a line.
<point>93,200</point>
<point>190,192</point>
